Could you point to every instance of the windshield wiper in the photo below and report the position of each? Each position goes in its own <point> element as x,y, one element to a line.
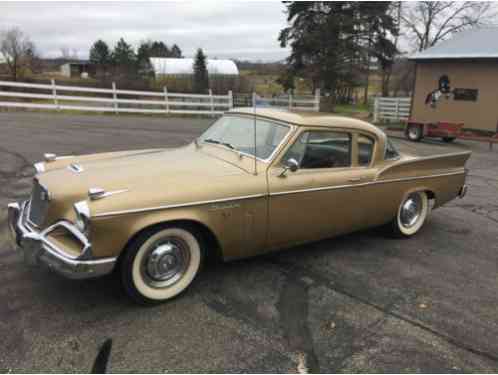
<point>210,140</point>
<point>226,144</point>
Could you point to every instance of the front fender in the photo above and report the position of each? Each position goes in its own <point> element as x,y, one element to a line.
<point>111,234</point>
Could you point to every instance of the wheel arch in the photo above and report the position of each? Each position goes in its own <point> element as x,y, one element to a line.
<point>207,235</point>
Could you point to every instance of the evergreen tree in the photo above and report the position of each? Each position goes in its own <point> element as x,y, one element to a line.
<point>143,58</point>
<point>99,53</point>
<point>123,54</point>
<point>200,78</point>
<point>176,51</point>
<point>333,42</point>
<point>159,49</point>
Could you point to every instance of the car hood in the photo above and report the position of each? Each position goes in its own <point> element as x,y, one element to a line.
<point>152,174</point>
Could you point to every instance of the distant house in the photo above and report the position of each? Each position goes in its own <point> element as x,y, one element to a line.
<point>184,66</point>
<point>456,81</point>
<point>80,69</point>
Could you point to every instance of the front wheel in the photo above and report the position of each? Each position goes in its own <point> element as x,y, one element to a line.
<point>411,215</point>
<point>160,264</point>
<point>448,139</point>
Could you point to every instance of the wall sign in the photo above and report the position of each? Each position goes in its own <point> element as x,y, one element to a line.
<point>465,94</point>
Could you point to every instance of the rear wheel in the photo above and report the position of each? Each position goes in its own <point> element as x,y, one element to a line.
<point>411,215</point>
<point>448,139</point>
<point>160,264</point>
<point>414,132</point>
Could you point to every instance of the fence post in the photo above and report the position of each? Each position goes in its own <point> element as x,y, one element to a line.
<point>165,89</point>
<point>376,110</point>
<point>317,100</point>
<point>253,99</point>
<point>54,94</point>
<point>211,100</point>
<point>397,109</point>
<point>114,98</point>
<point>230,99</point>
<point>290,99</point>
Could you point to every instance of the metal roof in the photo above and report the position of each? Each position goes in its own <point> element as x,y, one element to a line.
<point>165,65</point>
<point>478,43</point>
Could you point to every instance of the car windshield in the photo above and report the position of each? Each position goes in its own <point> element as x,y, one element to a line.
<point>237,133</point>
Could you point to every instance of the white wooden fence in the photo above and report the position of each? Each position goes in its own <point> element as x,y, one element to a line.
<point>289,101</point>
<point>111,100</point>
<point>392,109</point>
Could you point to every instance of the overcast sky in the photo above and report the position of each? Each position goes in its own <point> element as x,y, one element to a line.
<point>241,30</point>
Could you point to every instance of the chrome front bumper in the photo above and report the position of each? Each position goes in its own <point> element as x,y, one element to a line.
<point>38,249</point>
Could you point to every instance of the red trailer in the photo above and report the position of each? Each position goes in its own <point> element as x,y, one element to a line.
<point>448,131</point>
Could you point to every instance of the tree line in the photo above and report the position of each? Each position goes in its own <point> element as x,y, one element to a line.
<point>123,54</point>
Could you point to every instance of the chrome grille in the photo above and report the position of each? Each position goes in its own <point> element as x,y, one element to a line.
<point>38,205</point>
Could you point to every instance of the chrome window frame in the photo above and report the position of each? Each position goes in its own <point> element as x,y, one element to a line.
<point>350,132</point>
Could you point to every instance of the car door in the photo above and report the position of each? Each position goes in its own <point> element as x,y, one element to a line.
<point>323,197</point>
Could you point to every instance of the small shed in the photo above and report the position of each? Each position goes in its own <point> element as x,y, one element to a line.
<point>81,69</point>
<point>456,81</point>
<point>185,66</point>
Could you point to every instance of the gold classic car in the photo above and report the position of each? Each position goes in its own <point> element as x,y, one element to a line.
<point>253,182</point>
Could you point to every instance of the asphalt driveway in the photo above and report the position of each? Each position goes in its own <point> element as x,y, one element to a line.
<point>358,303</point>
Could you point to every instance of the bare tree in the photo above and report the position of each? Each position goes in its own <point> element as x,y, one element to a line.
<point>69,54</point>
<point>65,54</point>
<point>428,22</point>
<point>18,51</point>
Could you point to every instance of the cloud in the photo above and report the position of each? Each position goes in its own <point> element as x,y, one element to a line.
<point>244,30</point>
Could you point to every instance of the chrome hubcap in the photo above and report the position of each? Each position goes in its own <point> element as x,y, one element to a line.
<point>165,262</point>
<point>410,211</point>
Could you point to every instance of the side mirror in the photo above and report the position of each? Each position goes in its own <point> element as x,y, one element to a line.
<point>290,165</point>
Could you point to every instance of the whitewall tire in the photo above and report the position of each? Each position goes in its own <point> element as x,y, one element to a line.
<point>412,214</point>
<point>160,264</point>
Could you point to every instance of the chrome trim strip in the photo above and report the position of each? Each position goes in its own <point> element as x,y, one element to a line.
<point>99,193</point>
<point>336,187</point>
<point>198,203</point>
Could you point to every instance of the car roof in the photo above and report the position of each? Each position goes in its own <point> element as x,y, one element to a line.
<point>310,119</point>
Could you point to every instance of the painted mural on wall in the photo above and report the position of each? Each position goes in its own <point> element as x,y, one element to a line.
<point>444,91</point>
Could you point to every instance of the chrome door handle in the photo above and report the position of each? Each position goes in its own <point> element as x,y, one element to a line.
<point>355,179</point>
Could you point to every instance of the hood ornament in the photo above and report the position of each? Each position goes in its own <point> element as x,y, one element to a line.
<point>95,193</point>
<point>50,157</point>
<point>53,157</point>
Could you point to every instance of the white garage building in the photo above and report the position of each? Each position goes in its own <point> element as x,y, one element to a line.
<point>184,66</point>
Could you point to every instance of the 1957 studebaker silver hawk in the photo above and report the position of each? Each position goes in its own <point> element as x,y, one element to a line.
<point>153,215</point>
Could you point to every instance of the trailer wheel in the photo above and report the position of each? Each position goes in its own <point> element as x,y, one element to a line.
<point>414,132</point>
<point>449,139</point>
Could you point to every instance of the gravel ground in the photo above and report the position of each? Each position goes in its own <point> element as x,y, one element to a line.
<point>358,303</point>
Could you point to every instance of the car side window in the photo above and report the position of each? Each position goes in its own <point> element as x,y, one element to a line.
<point>321,149</point>
<point>365,150</point>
